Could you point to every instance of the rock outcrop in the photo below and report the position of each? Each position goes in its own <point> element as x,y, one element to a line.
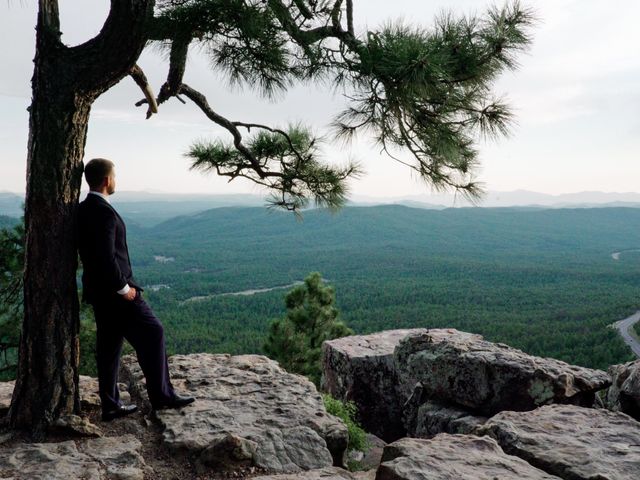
<point>624,393</point>
<point>571,442</point>
<point>253,418</point>
<point>361,369</point>
<point>248,412</point>
<point>465,370</point>
<point>453,457</point>
<point>93,459</point>
<point>422,382</point>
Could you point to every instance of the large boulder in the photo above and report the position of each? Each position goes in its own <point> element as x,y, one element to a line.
<point>571,442</point>
<point>465,370</point>
<point>624,393</point>
<point>361,369</point>
<point>248,412</point>
<point>93,459</point>
<point>453,457</point>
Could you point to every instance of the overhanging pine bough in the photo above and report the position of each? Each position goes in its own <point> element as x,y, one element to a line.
<point>427,92</point>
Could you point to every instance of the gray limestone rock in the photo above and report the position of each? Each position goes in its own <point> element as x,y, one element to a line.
<point>464,369</point>
<point>624,393</point>
<point>91,459</point>
<point>361,369</point>
<point>248,412</point>
<point>571,442</point>
<point>333,473</point>
<point>453,457</point>
<point>75,425</point>
<point>88,393</point>
<point>424,418</point>
<point>6,391</point>
<point>433,418</point>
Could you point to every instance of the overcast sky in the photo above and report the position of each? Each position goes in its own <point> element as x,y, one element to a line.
<point>576,98</point>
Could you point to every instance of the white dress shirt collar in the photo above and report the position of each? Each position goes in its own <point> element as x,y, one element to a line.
<point>106,197</point>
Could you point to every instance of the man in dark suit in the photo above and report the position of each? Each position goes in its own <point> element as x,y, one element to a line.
<point>119,309</point>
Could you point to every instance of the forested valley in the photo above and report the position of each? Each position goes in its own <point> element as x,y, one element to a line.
<point>542,280</point>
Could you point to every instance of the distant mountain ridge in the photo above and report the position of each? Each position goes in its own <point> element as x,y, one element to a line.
<point>516,198</point>
<point>150,208</point>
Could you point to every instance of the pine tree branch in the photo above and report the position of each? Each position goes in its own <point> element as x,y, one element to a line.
<point>49,22</point>
<point>177,66</point>
<point>141,80</point>
<point>102,61</point>
<point>201,101</point>
<point>304,10</point>
<point>350,17</point>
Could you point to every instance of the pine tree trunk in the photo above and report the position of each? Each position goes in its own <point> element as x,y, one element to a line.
<point>66,81</point>
<point>47,375</point>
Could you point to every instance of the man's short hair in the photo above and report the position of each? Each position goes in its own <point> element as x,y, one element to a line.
<point>96,170</point>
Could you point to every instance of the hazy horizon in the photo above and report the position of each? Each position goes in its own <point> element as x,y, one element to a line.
<point>574,99</point>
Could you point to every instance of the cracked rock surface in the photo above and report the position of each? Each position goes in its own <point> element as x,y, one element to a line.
<point>624,393</point>
<point>92,459</point>
<point>571,442</point>
<point>323,474</point>
<point>466,370</point>
<point>453,457</point>
<point>248,411</point>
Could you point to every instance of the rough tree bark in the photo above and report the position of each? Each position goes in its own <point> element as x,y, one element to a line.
<point>65,83</point>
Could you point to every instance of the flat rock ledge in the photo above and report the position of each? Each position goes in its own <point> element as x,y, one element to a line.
<point>624,393</point>
<point>465,370</point>
<point>361,369</point>
<point>571,442</point>
<point>453,457</point>
<point>92,459</point>
<point>249,412</point>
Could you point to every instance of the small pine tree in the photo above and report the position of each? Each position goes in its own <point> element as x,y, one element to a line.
<point>296,340</point>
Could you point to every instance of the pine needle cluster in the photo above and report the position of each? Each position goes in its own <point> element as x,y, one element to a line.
<point>424,95</point>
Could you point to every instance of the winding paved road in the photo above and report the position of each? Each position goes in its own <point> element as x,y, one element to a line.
<point>624,326</point>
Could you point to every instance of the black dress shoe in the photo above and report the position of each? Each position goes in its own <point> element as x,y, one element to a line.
<point>121,411</point>
<point>176,402</point>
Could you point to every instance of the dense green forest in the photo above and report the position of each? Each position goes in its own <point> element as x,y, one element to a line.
<point>7,222</point>
<point>544,281</point>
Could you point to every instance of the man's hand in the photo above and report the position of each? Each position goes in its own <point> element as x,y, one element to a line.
<point>130,295</point>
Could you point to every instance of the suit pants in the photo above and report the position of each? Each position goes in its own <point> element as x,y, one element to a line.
<point>133,320</point>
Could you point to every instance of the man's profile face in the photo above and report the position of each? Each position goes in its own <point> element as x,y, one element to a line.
<point>111,183</point>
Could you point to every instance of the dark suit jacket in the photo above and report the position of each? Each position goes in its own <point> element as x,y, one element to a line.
<point>102,243</point>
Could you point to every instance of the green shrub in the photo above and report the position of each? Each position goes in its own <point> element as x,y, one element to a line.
<point>346,411</point>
